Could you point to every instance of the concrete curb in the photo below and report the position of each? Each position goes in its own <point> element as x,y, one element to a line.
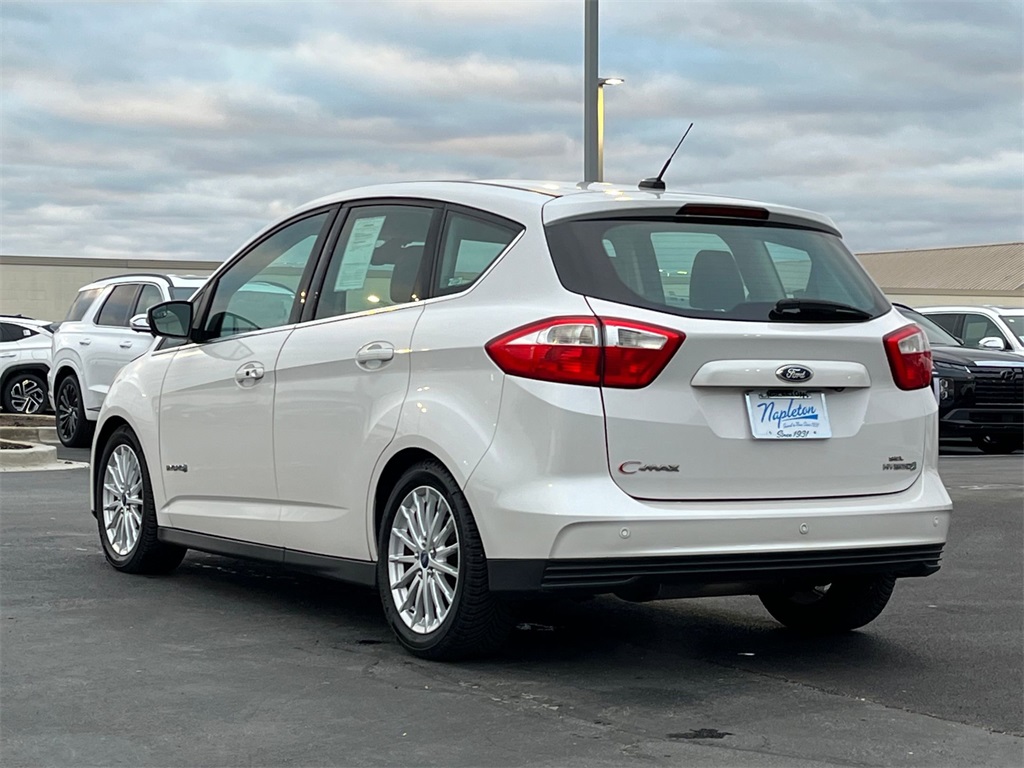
<point>35,458</point>
<point>30,434</point>
<point>23,458</point>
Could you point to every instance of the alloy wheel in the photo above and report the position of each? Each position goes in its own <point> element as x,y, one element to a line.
<point>122,500</point>
<point>27,396</point>
<point>423,559</point>
<point>67,410</point>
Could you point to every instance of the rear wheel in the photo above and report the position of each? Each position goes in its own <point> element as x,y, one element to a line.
<point>432,572</point>
<point>24,393</point>
<point>126,513</point>
<point>839,606</point>
<point>999,443</point>
<point>73,429</point>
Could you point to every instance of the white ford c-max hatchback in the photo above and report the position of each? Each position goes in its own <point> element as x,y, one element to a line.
<point>461,392</point>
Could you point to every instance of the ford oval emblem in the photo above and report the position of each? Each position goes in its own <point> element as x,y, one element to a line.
<point>794,373</point>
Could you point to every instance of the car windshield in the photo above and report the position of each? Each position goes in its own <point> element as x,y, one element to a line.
<point>937,336</point>
<point>1016,324</point>
<point>721,270</point>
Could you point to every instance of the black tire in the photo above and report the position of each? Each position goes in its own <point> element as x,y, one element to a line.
<point>477,623</point>
<point>999,444</point>
<point>148,555</point>
<point>24,393</point>
<point>843,605</point>
<point>74,430</point>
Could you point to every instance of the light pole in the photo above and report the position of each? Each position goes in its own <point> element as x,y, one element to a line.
<point>601,83</point>
<point>593,97</point>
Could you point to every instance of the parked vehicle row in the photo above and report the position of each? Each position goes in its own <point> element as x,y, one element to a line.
<point>980,391</point>
<point>96,340</point>
<point>473,391</point>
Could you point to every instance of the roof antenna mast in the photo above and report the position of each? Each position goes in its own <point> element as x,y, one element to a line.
<point>656,183</point>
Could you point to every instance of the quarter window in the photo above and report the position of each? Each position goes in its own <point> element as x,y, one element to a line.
<point>259,290</point>
<point>469,246</point>
<point>118,304</point>
<point>377,261</point>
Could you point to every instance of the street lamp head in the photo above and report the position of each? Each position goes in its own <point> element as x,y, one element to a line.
<point>610,81</point>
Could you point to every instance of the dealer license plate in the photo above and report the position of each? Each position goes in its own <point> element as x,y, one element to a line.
<point>788,415</point>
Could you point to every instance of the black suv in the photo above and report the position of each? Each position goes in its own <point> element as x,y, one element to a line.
<point>980,391</point>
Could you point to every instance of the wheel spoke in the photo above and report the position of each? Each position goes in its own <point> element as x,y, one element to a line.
<point>404,538</point>
<point>449,593</point>
<point>407,577</point>
<point>410,596</point>
<point>442,552</point>
<point>448,530</point>
<point>444,568</point>
<point>438,607</point>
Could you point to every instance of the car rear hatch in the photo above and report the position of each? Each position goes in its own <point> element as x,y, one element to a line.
<point>784,373</point>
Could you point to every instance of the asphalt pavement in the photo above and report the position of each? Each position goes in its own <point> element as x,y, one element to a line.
<point>233,663</point>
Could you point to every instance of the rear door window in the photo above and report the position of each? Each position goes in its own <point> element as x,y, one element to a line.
<point>117,305</point>
<point>978,327</point>
<point>378,259</point>
<point>148,296</point>
<point>726,271</point>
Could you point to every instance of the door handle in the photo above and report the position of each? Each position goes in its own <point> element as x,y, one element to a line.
<point>375,354</point>
<point>9,354</point>
<point>85,342</point>
<point>125,344</point>
<point>249,374</point>
<point>377,350</point>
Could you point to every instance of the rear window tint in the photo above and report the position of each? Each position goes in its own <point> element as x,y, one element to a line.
<point>719,270</point>
<point>81,304</point>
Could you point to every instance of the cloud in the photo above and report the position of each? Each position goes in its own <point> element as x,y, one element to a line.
<point>179,129</point>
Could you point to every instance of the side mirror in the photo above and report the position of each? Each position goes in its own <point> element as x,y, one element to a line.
<point>992,342</point>
<point>172,319</point>
<point>139,324</point>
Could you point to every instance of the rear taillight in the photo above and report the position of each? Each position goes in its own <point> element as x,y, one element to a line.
<point>910,357</point>
<point>586,350</point>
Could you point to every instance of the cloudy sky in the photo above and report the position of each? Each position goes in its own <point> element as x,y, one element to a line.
<point>179,129</point>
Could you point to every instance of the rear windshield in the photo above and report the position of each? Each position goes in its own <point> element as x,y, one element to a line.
<point>715,270</point>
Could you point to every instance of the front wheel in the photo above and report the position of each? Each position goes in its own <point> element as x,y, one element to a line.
<point>432,571</point>
<point>73,429</point>
<point>839,606</point>
<point>24,393</point>
<point>125,511</point>
<point>996,444</point>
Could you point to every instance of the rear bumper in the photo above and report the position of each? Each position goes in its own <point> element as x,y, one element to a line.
<point>708,574</point>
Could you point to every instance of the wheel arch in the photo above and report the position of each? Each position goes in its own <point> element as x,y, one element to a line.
<point>108,428</point>
<point>394,469</point>
<point>38,368</point>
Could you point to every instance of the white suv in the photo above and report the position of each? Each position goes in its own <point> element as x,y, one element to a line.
<point>982,327</point>
<point>96,339</point>
<point>464,392</point>
<point>24,363</point>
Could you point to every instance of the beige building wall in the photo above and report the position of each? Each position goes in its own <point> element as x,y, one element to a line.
<point>44,286</point>
<point>932,299</point>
